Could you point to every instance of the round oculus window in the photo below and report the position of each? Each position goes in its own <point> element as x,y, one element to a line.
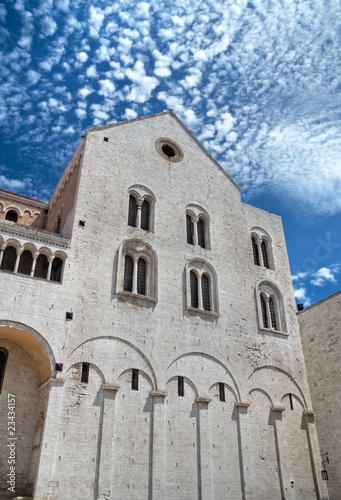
<point>169,149</point>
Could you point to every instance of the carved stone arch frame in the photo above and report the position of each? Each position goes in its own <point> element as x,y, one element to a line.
<point>261,236</point>
<point>197,212</point>
<point>13,208</point>
<point>136,249</point>
<point>201,267</point>
<point>142,193</point>
<point>267,290</point>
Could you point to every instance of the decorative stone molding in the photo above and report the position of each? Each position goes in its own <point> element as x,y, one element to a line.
<point>158,394</point>
<point>242,404</point>
<point>203,399</point>
<point>278,408</point>
<point>110,387</point>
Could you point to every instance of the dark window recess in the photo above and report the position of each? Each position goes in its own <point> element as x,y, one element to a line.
<point>190,229</point>
<point>264,254</point>
<point>56,269</point>
<point>221,392</point>
<point>181,386</point>
<point>141,277</point>
<point>145,215</point>
<point>272,314</point>
<point>128,274</point>
<point>3,362</point>
<point>135,380</point>
<point>264,315</point>
<point>205,288</point>
<point>194,289</point>
<point>9,258</point>
<point>42,266</point>
<point>291,402</point>
<point>25,263</point>
<point>255,252</point>
<point>11,216</point>
<point>201,233</point>
<point>85,373</point>
<point>132,211</point>
<point>57,225</point>
<point>168,151</point>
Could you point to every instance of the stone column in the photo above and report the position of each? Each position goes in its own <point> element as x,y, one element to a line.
<point>19,252</point>
<point>34,262</point>
<point>204,453</point>
<point>50,259</point>
<point>104,473</point>
<point>314,451</point>
<point>158,473</point>
<point>46,485</point>
<point>277,422</point>
<point>139,211</point>
<point>244,447</point>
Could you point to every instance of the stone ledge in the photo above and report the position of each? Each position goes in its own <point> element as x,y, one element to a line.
<point>110,387</point>
<point>160,394</point>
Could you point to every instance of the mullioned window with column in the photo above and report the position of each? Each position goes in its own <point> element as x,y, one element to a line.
<point>197,226</point>
<point>201,288</point>
<point>270,308</point>
<point>262,249</point>
<point>141,208</point>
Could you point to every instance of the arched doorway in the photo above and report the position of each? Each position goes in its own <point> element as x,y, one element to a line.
<point>25,364</point>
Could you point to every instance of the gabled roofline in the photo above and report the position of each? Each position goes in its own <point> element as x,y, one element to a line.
<point>20,198</point>
<point>171,113</point>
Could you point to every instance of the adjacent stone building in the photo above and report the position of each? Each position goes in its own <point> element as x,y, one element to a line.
<point>149,339</point>
<point>320,327</point>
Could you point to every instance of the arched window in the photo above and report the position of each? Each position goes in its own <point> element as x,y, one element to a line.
<point>205,291</point>
<point>128,274</point>
<point>201,233</point>
<point>271,311</point>
<point>3,362</point>
<point>262,248</point>
<point>194,289</point>
<point>132,214</point>
<point>264,254</point>
<point>145,215</point>
<point>9,259</point>
<point>137,270</point>
<point>141,276</point>
<point>42,266</point>
<point>56,270</point>
<point>202,288</point>
<point>141,208</point>
<point>25,263</point>
<point>197,226</point>
<point>12,216</point>
<point>190,229</point>
<point>255,251</point>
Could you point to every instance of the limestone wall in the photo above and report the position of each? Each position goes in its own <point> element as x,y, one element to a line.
<point>321,339</point>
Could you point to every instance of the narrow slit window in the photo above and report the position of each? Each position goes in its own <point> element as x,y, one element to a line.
<point>128,274</point>
<point>141,277</point>
<point>181,386</point>
<point>135,380</point>
<point>255,251</point>
<point>194,289</point>
<point>201,233</point>
<point>264,254</point>
<point>3,362</point>
<point>205,288</point>
<point>264,314</point>
<point>145,215</point>
<point>132,211</point>
<point>190,229</point>
<point>272,313</point>
<point>222,392</point>
<point>291,402</point>
<point>57,224</point>
<point>85,373</point>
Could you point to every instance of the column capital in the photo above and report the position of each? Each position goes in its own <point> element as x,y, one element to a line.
<point>110,387</point>
<point>203,399</point>
<point>158,394</point>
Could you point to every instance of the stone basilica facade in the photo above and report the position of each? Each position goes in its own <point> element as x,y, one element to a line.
<point>149,346</point>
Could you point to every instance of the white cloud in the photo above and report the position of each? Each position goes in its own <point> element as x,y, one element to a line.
<point>107,88</point>
<point>95,21</point>
<point>82,56</point>
<point>84,92</point>
<point>144,85</point>
<point>129,114</point>
<point>323,276</point>
<point>12,184</point>
<point>33,77</point>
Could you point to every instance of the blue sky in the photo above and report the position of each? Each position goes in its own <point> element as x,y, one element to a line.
<point>258,83</point>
